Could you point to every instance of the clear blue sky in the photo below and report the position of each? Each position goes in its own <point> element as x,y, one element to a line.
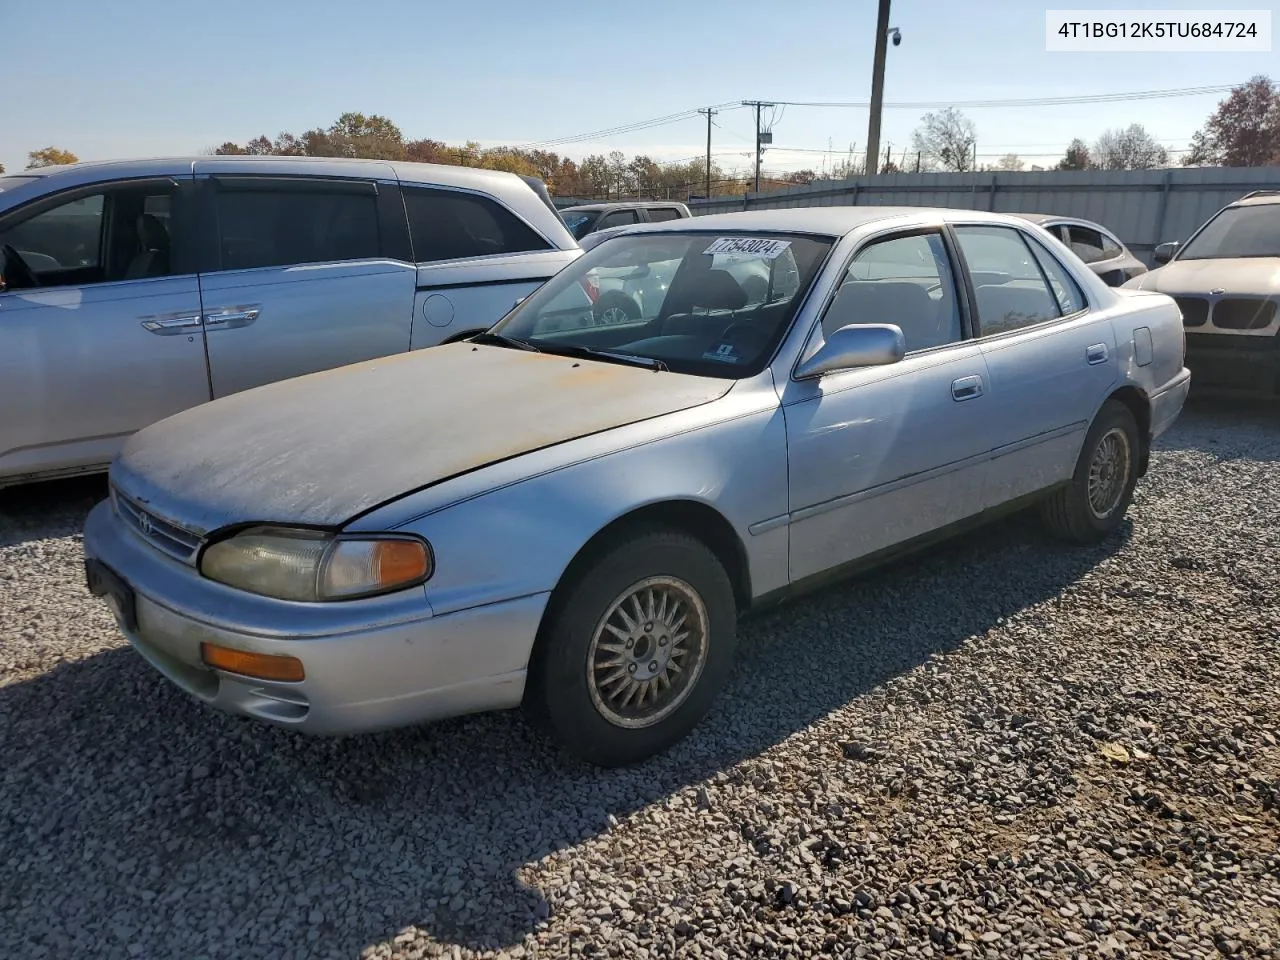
<point>143,77</point>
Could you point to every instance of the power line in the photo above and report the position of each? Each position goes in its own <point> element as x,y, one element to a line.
<point>683,115</point>
<point>1023,102</point>
<point>628,127</point>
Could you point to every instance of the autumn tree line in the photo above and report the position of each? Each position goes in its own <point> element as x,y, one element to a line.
<point>1243,131</point>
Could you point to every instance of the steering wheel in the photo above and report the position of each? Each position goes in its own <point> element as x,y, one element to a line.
<point>18,269</point>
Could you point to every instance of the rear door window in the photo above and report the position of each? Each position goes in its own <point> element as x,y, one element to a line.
<point>619,218</point>
<point>659,214</point>
<point>1010,285</point>
<point>451,224</point>
<point>259,227</point>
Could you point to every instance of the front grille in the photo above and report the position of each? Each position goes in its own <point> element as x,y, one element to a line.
<point>165,536</point>
<point>1195,310</point>
<point>1242,313</point>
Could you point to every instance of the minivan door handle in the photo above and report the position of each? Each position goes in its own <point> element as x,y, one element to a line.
<point>966,388</point>
<point>167,326</point>
<point>231,319</point>
<point>1096,353</point>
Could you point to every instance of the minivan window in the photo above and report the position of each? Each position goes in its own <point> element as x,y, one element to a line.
<point>1252,231</point>
<point>260,228</point>
<point>122,232</point>
<point>69,235</point>
<point>579,222</point>
<point>450,224</point>
<point>618,218</point>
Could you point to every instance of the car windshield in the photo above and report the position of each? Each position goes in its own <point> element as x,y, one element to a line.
<point>714,305</point>
<point>1238,232</point>
<point>8,183</point>
<point>578,221</point>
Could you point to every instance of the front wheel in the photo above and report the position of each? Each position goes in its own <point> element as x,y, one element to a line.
<point>614,308</point>
<point>1093,504</point>
<point>635,649</point>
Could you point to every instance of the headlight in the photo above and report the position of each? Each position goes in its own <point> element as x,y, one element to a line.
<point>309,565</point>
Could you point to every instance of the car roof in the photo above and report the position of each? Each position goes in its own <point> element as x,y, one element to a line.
<point>620,205</point>
<point>1258,198</point>
<point>446,174</point>
<point>827,221</point>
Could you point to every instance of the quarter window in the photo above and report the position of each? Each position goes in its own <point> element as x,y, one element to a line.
<point>263,228</point>
<point>905,281</point>
<point>450,225</point>
<point>1009,282</point>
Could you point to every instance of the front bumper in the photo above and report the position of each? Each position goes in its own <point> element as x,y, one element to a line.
<point>1226,363</point>
<point>370,664</point>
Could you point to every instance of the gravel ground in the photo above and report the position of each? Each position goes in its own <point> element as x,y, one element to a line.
<point>1005,748</point>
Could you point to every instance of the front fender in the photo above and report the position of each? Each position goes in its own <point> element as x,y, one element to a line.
<point>518,540</point>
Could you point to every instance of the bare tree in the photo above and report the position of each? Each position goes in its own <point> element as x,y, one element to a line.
<point>945,138</point>
<point>1131,148</point>
<point>1010,161</point>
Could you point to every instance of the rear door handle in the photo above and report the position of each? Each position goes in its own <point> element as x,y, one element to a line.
<point>966,388</point>
<point>167,326</point>
<point>230,319</point>
<point>1097,353</point>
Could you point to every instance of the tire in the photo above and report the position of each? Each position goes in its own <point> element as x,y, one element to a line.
<point>1069,512</point>
<point>576,688</point>
<point>614,307</point>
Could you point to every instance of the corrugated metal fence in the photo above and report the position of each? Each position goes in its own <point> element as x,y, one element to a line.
<point>1142,207</point>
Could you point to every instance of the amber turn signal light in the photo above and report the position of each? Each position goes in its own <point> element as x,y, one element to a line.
<point>260,666</point>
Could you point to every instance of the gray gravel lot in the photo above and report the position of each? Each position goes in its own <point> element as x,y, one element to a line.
<point>1007,747</point>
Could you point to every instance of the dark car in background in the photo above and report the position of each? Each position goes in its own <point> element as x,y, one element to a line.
<point>590,217</point>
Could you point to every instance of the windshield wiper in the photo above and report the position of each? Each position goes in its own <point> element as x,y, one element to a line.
<point>499,340</point>
<point>587,353</point>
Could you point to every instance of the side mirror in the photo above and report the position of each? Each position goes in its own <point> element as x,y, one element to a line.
<point>1165,251</point>
<point>856,345</point>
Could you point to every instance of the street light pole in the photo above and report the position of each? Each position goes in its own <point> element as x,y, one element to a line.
<point>877,87</point>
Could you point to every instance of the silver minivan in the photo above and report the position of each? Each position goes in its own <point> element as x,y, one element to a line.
<point>132,290</point>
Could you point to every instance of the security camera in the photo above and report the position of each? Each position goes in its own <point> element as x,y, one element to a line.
<point>896,35</point>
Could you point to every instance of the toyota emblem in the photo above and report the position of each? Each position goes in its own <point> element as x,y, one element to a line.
<point>144,524</point>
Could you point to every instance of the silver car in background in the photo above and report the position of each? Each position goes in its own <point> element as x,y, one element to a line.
<point>571,516</point>
<point>1095,245</point>
<point>132,290</point>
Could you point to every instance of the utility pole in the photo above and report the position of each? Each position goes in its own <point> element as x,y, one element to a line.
<point>877,87</point>
<point>759,104</point>
<point>710,113</point>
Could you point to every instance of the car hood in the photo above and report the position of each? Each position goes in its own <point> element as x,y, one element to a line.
<point>1244,276</point>
<point>323,448</point>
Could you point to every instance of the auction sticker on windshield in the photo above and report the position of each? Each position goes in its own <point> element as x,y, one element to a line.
<point>750,246</point>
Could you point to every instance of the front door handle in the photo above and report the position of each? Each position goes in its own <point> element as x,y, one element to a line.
<point>1097,353</point>
<point>167,326</point>
<point>966,388</point>
<point>230,319</point>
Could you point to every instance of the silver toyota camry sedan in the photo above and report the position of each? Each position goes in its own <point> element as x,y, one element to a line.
<point>569,515</point>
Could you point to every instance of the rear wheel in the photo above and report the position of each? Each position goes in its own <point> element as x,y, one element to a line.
<point>1094,503</point>
<point>635,649</point>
